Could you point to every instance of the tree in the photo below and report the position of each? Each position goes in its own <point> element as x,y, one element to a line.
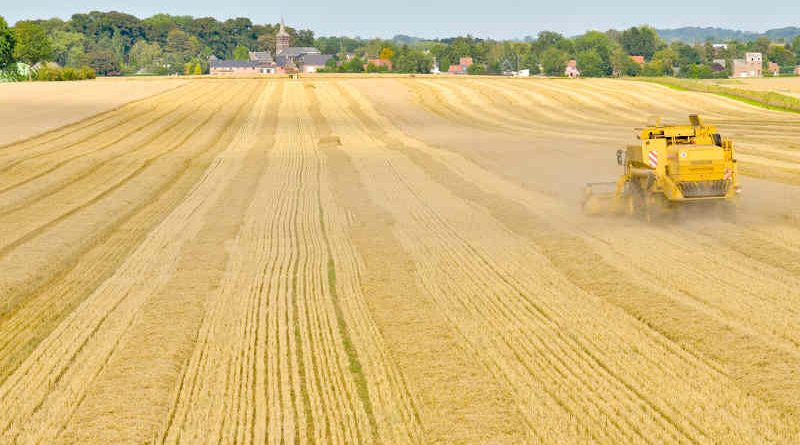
<point>6,45</point>
<point>654,68</point>
<point>546,39</point>
<point>182,44</point>
<point>32,45</point>
<point>241,53</point>
<point>592,65</point>
<point>145,55</point>
<point>554,61</point>
<point>198,70</point>
<point>266,42</point>
<point>354,65</point>
<point>760,45</point>
<point>782,57</point>
<point>303,37</point>
<point>157,27</point>
<point>623,65</point>
<point>698,71</point>
<point>476,69</point>
<point>65,43</point>
<point>411,60</point>
<point>386,54</point>
<point>103,61</point>
<point>76,57</point>
<point>686,55</point>
<point>180,48</point>
<point>371,68</point>
<point>641,41</point>
<point>667,56</point>
<point>600,45</point>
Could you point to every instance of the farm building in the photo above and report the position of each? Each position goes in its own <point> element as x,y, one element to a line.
<point>750,66</point>
<point>295,55</point>
<point>261,56</point>
<point>773,68</point>
<point>718,65</point>
<point>238,67</point>
<point>311,63</point>
<point>463,65</point>
<point>638,59</point>
<point>572,69</point>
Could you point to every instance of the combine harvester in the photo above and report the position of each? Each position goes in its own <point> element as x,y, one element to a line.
<point>674,165</point>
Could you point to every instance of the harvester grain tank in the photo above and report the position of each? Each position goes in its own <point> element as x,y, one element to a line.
<point>674,164</point>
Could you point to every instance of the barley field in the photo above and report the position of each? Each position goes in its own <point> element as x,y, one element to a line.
<point>391,260</point>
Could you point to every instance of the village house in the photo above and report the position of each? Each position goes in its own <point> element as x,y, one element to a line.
<point>572,69</point>
<point>638,60</point>
<point>718,65</point>
<point>219,67</point>
<point>773,68</point>
<point>311,63</point>
<point>462,67</point>
<point>750,66</point>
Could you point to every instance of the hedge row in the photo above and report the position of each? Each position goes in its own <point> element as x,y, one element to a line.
<point>56,74</point>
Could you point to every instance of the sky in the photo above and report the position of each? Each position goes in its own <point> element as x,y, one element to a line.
<point>498,19</point>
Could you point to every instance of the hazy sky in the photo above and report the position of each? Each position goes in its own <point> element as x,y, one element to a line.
<point>443,18</point>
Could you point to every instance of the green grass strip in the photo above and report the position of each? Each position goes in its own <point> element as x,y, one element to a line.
<point>769,100</point>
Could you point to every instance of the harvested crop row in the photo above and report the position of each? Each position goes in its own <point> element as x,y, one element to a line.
<point>695,428</point>
<point>567,256</point>
<point>274,366</point>
<point>388,261</point>
<point>50,297</point>
<point>601,111</point>
<point>40,396</point>
<point>36,245</point>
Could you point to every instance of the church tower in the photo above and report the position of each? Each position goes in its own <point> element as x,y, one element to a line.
<point>282,40</point>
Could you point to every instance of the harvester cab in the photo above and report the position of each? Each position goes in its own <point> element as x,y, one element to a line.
<point>673,164</point>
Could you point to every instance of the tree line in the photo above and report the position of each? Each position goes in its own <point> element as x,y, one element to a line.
<point>119,43</point>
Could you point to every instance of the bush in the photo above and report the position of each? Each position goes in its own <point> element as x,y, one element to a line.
<point>48,74</point>
<point>12,73</point>
<point>69,74</point>
<point>87,73</point>
<point>376,69</point>
<point>53,74</point>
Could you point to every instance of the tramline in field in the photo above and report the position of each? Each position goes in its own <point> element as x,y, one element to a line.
<point>368,259</point>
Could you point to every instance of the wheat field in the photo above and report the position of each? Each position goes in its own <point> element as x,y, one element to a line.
<point>391,260</point>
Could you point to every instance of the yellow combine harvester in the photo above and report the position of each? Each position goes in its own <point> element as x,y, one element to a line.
<point>673,165</point>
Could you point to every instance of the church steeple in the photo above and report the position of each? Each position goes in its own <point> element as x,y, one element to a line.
<point>282,39</point>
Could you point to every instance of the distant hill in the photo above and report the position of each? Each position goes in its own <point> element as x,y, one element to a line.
<point>401,39</point>
<point>691,34</point>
